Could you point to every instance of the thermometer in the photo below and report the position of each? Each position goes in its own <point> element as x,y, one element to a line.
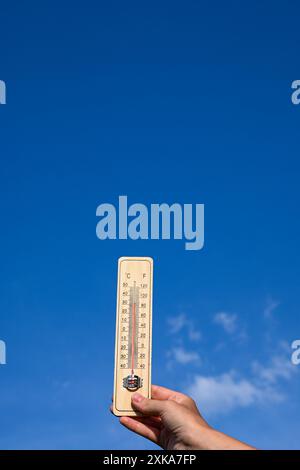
<point>133,333</point>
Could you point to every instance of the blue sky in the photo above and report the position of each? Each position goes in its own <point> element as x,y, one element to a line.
<point>162,102</point>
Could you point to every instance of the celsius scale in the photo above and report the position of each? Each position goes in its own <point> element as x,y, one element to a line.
<point>133,333</point>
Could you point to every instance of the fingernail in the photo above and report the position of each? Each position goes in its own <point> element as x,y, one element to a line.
<point>137,397</point>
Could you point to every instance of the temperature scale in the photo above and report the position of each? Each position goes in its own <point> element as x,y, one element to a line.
<point>133,333</point>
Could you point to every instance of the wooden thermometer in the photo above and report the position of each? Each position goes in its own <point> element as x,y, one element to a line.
<point>133,333</point>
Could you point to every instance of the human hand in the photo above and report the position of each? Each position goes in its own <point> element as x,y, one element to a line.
<point>172,420</point>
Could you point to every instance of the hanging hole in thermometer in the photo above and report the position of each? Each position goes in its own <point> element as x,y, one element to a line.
<point>133,333</point>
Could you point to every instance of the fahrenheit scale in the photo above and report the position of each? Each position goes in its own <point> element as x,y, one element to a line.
<point>133,333</point>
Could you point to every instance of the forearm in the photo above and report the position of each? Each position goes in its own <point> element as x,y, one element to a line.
<point>207,438</point>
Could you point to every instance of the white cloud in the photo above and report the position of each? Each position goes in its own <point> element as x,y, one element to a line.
<point>181,356</point>
<point>194,335</point>
<point>221,393</point>
<point>270,308</point>
<point>228,391</point>
<point>228,321</point>
<point>280,368</point>
<point>176,323</point>
<point>180,322</point>
<point>224,393</point>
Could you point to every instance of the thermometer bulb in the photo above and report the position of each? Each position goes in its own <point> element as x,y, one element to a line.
<point>132,382</point>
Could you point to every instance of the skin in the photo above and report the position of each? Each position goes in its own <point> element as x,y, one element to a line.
<point>172,421</point>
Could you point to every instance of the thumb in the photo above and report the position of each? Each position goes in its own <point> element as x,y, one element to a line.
<point>148,406</point>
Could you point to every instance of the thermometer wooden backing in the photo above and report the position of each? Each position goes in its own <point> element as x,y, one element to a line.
<point>133,333</point>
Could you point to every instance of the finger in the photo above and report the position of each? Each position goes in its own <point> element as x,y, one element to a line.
<point>151,420</point>
<point>140,428</point>
<point>154,421</point>
<point>148,406</point>
<point>163,393</point>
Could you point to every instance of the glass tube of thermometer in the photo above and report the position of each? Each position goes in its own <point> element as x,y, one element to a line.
<point>133,333</point>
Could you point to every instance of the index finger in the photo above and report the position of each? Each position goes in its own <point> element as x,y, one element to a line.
<point>163,393</point>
